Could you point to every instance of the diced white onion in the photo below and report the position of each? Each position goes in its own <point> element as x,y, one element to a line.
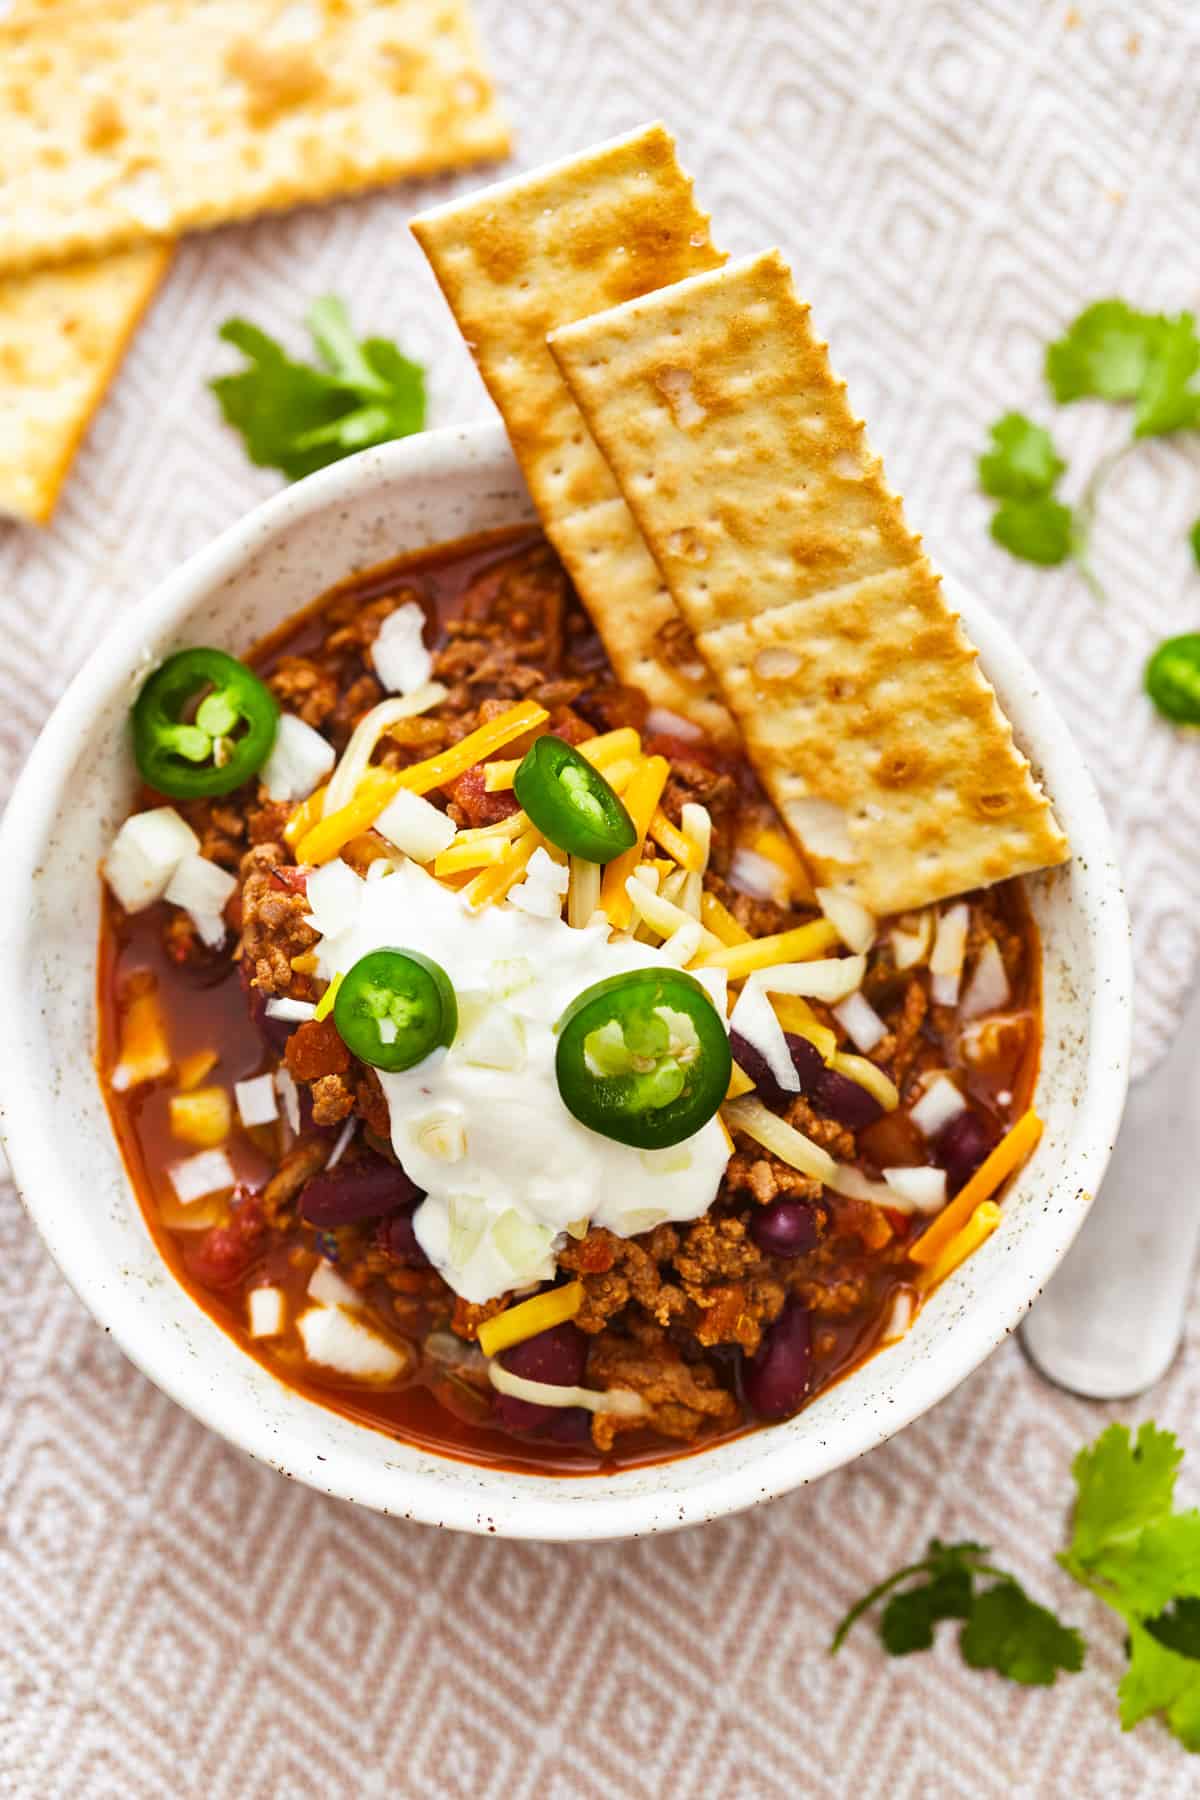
<point>336,1340</point>
<point>300,760</point>
<point>523,1244</point>
<point>416,826</point>
<point>208,1172</point>
<point>342,1142</point>
<point>328,1287</point>
<point>203,889</point>
<point>826,978</point>
<point>289,1093</point>
<point>145,854</point>
<point>849,917</point>
<point>643,1218</point>
<point>861,1023</point>
<point>468,1219</point>
<point>855,1185</point>
<point>923,1189</point>
<point>660,719</point>
<point>755,1019</point>
<point>940,1103</point>
<point>988,989</point>
<point>782,1140</point>
<point>949,948</point>
<point>496,1040</point>
<point>401,660</point>
<point>541,892</point>
<point>367,733</point>
<point>441,1133</point>
<point>756,875</point>
<point>256,1102</point>
<point>266,1311</point>
<point>911,939</point>
<point>901,1316</point>
<point>296,1012</point>
<point>334,893</point>
<point>622,1401</point>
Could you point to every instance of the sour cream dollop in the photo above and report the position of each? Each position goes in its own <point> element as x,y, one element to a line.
<point>481,1127</point>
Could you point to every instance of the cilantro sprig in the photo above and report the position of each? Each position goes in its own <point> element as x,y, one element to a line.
<point>296,416</point>
<point>1002,1628</point>
<point>1129,1547</point>
<point>1111,352</point>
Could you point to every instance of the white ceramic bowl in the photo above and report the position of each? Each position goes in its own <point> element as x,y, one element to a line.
<point>74,792</point>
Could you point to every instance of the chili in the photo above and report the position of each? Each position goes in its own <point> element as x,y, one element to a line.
<point>203,724</point>
<point>571,803</point>
<point>394,1008</point>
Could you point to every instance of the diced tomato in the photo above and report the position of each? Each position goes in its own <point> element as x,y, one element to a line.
<point>475,803</point>
<point>224,1253</point>
<point>315,1049</point>
<point>291,879</point>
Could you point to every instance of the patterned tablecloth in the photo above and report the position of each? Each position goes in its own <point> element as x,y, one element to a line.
<point>952,181</point>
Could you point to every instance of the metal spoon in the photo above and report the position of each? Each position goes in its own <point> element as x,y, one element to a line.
<point>1112,1318</point>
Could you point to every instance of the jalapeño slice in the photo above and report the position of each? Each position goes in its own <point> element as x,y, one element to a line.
<point>203,724</point>
<point>571,803</point>
<point>394,1008</point>
<point>643,1058</point>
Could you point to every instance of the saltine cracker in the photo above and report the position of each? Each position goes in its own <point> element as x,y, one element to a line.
<point>520,258</point>
<point>857,694</point>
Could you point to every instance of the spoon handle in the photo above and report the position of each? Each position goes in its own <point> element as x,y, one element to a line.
<point>1112,1318</point>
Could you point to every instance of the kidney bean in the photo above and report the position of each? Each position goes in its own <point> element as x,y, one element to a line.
<point>962,1145</point>
<point>784,1228</point>
<point>398,1237</point>
<point>356,1190</point>
<point>758,1069</point>
<point>274,1032</point>
<point>847,1101</point>
<point>557,1356</point>
<point>776,1380</point>
<point>806,1060</point>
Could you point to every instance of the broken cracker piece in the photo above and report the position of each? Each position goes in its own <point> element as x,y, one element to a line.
<point>63,333</point>
<point>139,119</point>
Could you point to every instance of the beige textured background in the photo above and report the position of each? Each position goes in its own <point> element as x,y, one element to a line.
<point>953,181</point>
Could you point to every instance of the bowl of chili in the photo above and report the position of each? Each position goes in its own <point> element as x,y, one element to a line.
<point>198,726</point>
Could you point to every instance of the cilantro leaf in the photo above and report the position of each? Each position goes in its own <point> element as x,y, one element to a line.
<point>909,1618</point>
<point>1009,1632</point>
<point>1105,354</point>
<point>1158,1680</point>
<point>1123,1484</point>
<point>1177,1627</point>
<point>1161,1564</point>
<point>297,417</point>
<point>1039,531</point>
<point>1022,463</point>
<point>1165,401</point>
<point>1194,541</point>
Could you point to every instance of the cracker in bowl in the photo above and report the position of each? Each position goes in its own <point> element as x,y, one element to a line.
<point>520,258</point>
<point>857,694</point>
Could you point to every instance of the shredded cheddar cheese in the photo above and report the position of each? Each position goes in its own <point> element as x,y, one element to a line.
<point>483,854</point>
<point>641,800</point>
<point>800,945</point>
<point>517,1323</point>
<point>306,815</point>
<point>1008,1155</point>
<point>669,838</point>
<point>494,883</point>
<point>739,1084</point>
<point>378,786</point>
<point>978,1228</point>
<point>720,921</point>
<point>783,853</point>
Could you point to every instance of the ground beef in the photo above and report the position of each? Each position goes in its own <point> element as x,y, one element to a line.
<point>826,1133</point>
<point>617,1270</point>
<point>752,1170</point>
<point>274,927</point>
<point>682,1398</point>
<point>372,1103</point>
<point>897,1049</point>
<point>332,1100</point>
<point>299,1164</point>
<point>303,687</point>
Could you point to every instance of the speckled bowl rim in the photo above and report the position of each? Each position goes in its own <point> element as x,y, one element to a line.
<point>468,1496</point>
